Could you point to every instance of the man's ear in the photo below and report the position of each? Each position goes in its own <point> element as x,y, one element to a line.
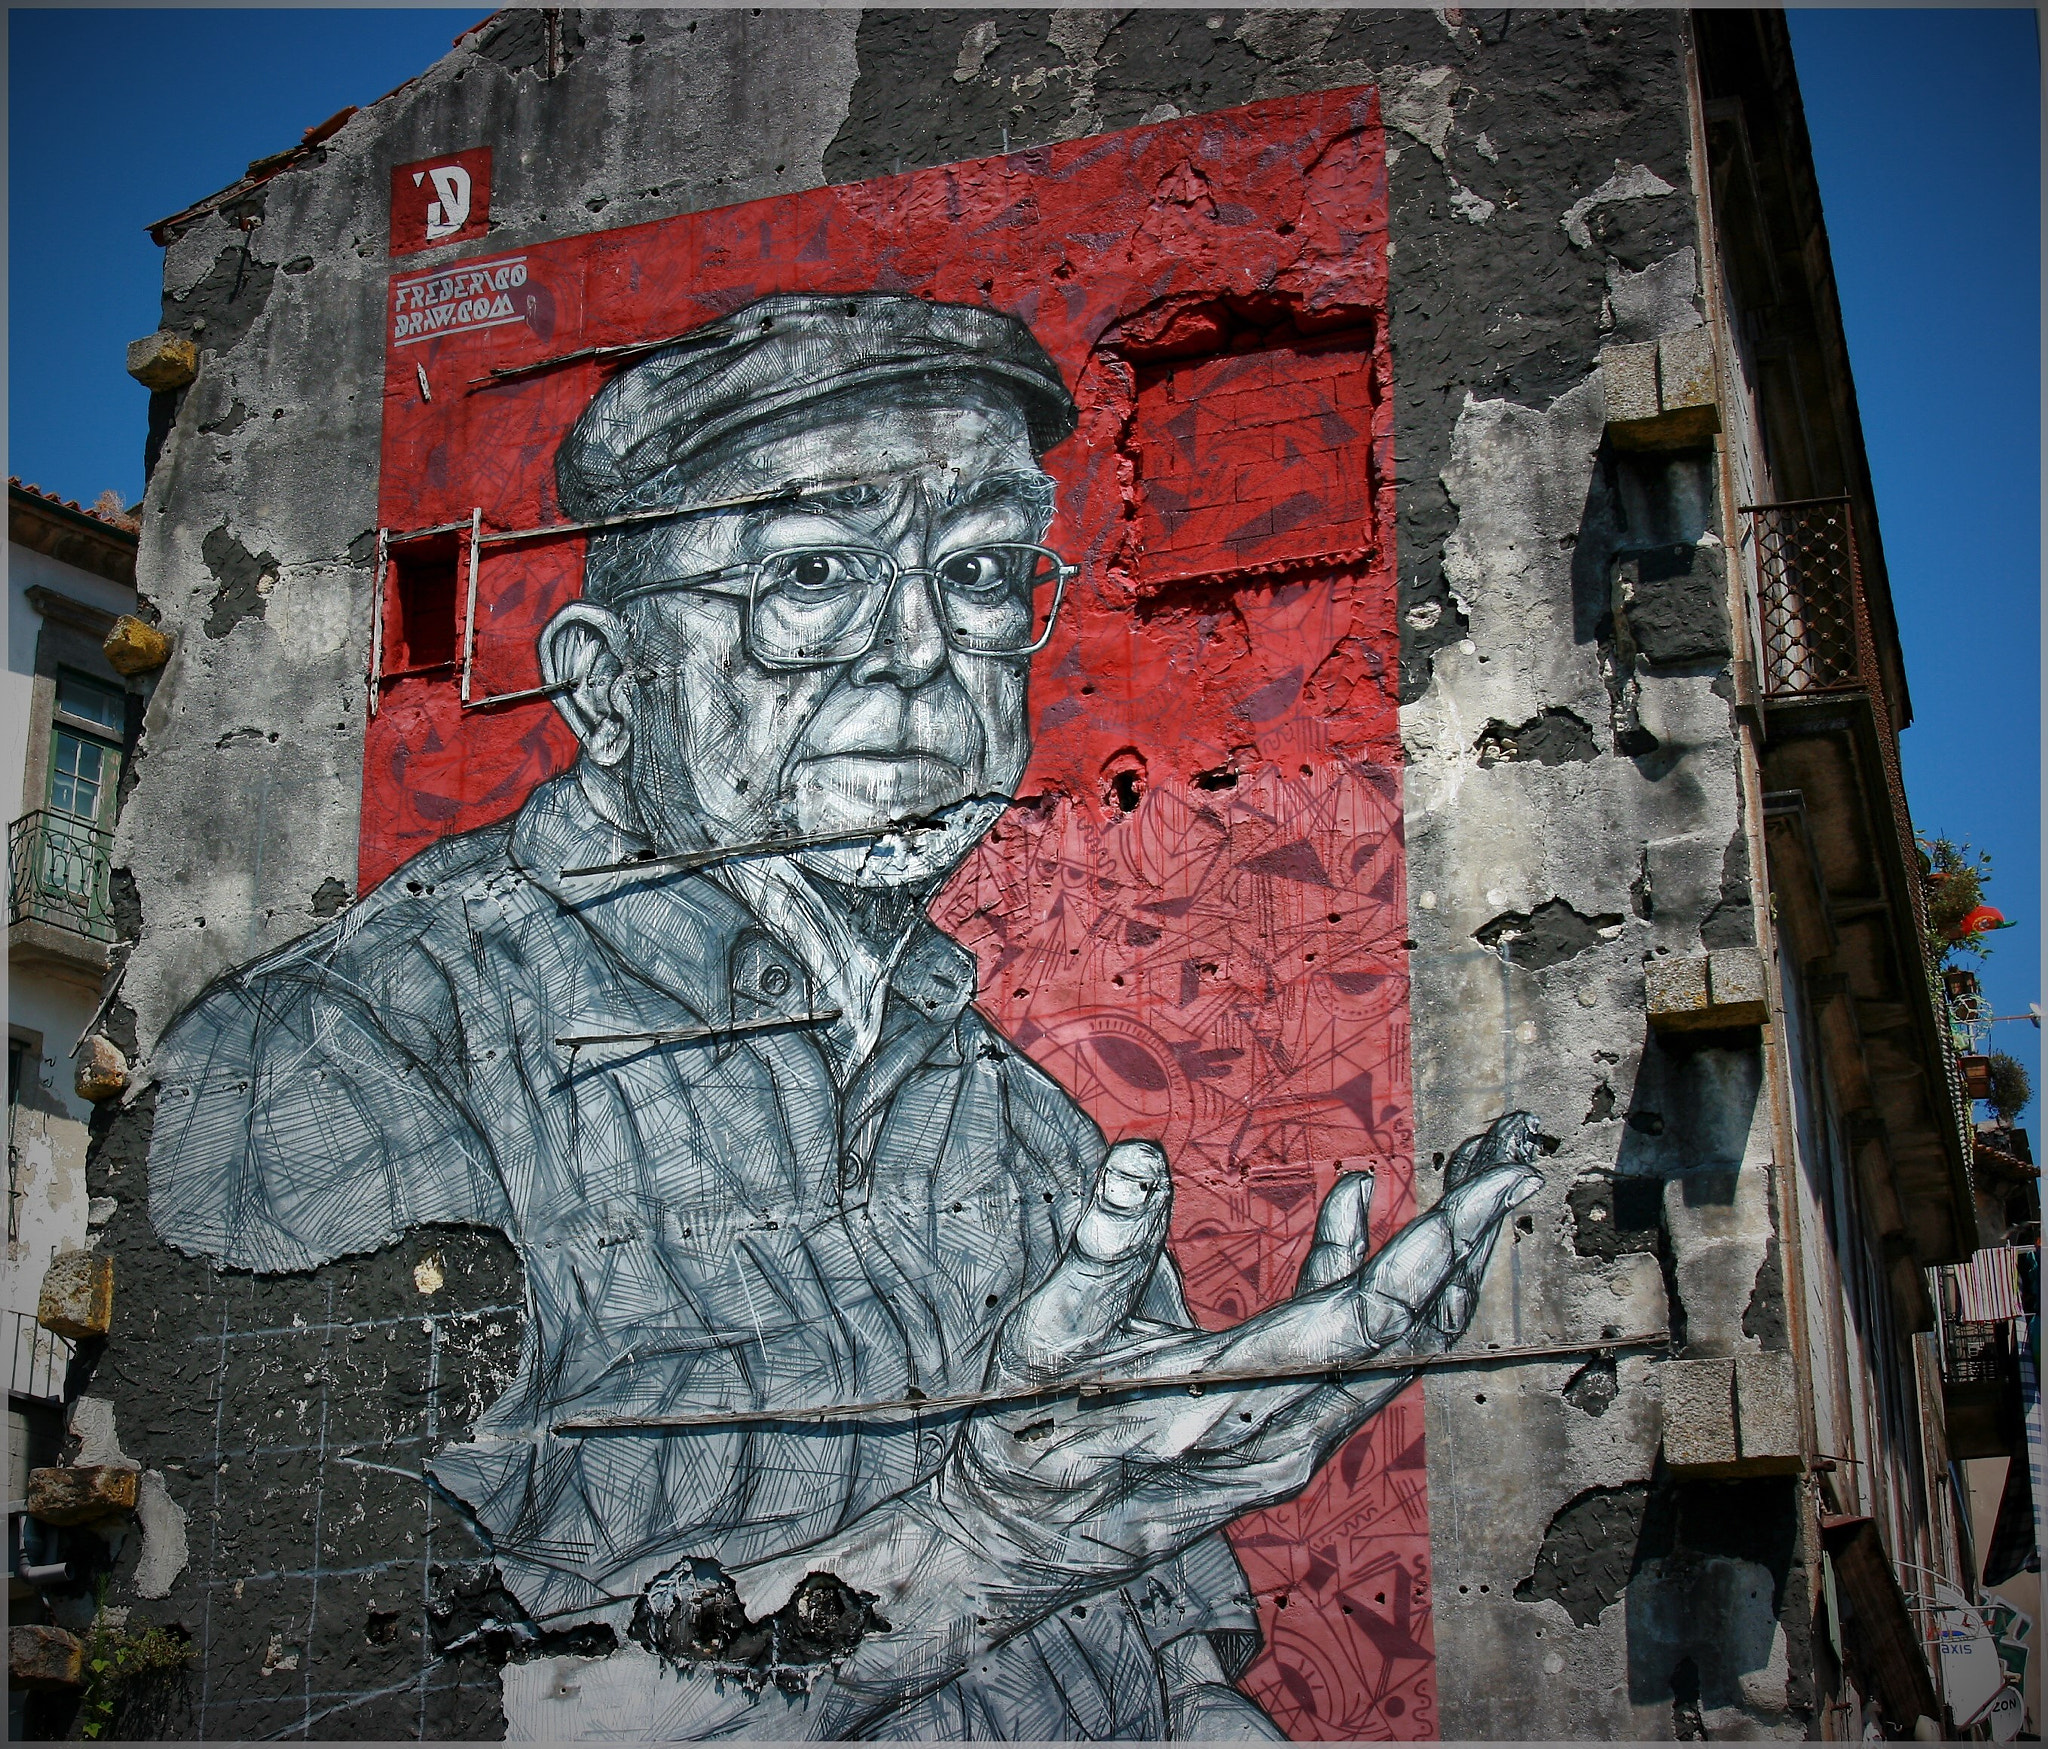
<point>585,652</point>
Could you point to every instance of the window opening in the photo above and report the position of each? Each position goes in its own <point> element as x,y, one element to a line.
<point>92,701</point>
<point>82,776</point>
<point>421,595</point>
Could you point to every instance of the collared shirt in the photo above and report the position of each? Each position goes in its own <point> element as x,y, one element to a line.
<point>712,1224</point>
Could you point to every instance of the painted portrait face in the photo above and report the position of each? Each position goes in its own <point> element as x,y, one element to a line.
<point>851,660</point>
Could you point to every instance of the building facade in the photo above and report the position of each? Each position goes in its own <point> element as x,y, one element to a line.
<point>71,573</point>
<point>1028,875</point>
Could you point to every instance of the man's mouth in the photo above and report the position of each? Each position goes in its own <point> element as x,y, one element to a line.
<point>876,788</point>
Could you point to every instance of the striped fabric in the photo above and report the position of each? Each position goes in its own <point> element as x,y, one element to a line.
<point>1988,1286</point>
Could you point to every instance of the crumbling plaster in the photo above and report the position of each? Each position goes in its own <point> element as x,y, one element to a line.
<point>705,109</point>
<point>1511,135</point>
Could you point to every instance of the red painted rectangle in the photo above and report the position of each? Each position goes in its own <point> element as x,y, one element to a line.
<point>441,201</point>
<point>1193,918</point>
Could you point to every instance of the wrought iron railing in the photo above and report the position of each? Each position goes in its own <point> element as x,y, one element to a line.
<point>57,874</point>
<point>1812,624</point>
<point>41,1359</point>
<point>1976,1354</point>
<point>1810,600</point>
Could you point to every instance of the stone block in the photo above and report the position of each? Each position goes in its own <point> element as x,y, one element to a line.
<point>1628,378</point>
<point>163,361</point>
<point>1675,987</point>
<point>44,1657</point>
<point>1699,1413</point>
<point>1767,1412</point>
<point>102,1071</point>
<point>81,1493</point>
<point>135,646</point>
<point>1676,600</point>
<point>1685,370</point>
<point>1660,394</point>
<point>78,1295</point>
<point>1698,991</point>
<point>1736,984</point>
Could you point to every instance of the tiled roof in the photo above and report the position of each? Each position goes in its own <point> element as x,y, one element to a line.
<point>123,521</point>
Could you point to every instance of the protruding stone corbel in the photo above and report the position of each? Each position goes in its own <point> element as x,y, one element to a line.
<point>1692,992</point>
<point>135,646</point>
<point>102,1071</point>
<point>1660,393</point>
<point>40,1656</point>
<point>78,1295</point>
<point>163,360</point>
<point>82,1493</point>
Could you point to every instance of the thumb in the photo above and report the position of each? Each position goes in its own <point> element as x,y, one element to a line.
<point>1093,1289</point>
<point>1341,1233</point>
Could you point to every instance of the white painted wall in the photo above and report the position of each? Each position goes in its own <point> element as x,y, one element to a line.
<point>27,569</point>
<point>47,1129</point>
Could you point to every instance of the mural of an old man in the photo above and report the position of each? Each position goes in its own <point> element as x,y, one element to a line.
<point>682,1030</point>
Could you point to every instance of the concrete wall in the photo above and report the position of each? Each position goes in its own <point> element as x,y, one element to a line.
<point>1573,794</point>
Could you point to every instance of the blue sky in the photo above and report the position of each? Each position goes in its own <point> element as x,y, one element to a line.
<point>1927,139</point>
<point>1926,134</point>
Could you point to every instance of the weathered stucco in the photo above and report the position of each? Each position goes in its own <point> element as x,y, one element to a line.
<point>1572,802</point>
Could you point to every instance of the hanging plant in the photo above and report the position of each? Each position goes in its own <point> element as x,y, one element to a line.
<point>1952,878</point>
<point>2012,1088</point>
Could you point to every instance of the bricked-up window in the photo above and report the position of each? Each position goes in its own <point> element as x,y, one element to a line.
<point>420,605</point>
<point>1254,458</point>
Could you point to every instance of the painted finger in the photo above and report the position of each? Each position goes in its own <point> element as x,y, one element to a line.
<point>1476,1209</point>
<point>1342,1233</point>
<point>1093,1289</point>
<point>1453,1309</point>
<point>1513,1140</point>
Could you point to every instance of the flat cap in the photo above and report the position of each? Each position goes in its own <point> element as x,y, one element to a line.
<point>644,429</point>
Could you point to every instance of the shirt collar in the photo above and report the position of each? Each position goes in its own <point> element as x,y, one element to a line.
<point>685,932</point>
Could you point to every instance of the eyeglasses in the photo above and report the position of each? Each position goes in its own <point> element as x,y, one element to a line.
<point>812,606</point>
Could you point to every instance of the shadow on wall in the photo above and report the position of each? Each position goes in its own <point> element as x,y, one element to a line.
<point>1703,1571</point>
<point>1706,1592</point>
<point>1649,583</point>
<point>1690,1115</point>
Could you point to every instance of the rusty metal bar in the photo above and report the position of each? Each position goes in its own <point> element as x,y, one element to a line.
<point>376,676</point>
<point>476,524</point>
<point>678,1035</point>
<point>1092,1390</point>
<point>685,861</point>
<point>656,513</point>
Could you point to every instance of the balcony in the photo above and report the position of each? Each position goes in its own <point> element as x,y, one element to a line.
<point>1982,1307</point>
<point>58,916</point>
<point>1846,868</point>
<point>1980,1388</point>
<point>40,1361</point>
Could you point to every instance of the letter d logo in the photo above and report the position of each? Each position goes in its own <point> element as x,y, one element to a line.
<point>447,215</point>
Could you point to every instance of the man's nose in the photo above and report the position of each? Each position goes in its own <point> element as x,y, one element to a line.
<point>910,644</point>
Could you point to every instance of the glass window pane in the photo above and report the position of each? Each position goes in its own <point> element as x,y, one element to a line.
<point>77,776</point>
<point>91,701</point>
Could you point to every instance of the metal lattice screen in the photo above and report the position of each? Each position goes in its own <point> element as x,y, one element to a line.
<point>1807,597</point>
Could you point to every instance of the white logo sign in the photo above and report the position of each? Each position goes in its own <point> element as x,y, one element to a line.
<point>456,299</point>
<point>450,213</point>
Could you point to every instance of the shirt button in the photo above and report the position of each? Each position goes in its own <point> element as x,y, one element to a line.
<point>775,981</point>
<point>850,1170</point>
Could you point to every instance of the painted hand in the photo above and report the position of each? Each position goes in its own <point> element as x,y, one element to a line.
<point>1094,1488</point>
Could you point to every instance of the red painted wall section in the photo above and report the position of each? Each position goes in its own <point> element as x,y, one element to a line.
<point>1194,916</point>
